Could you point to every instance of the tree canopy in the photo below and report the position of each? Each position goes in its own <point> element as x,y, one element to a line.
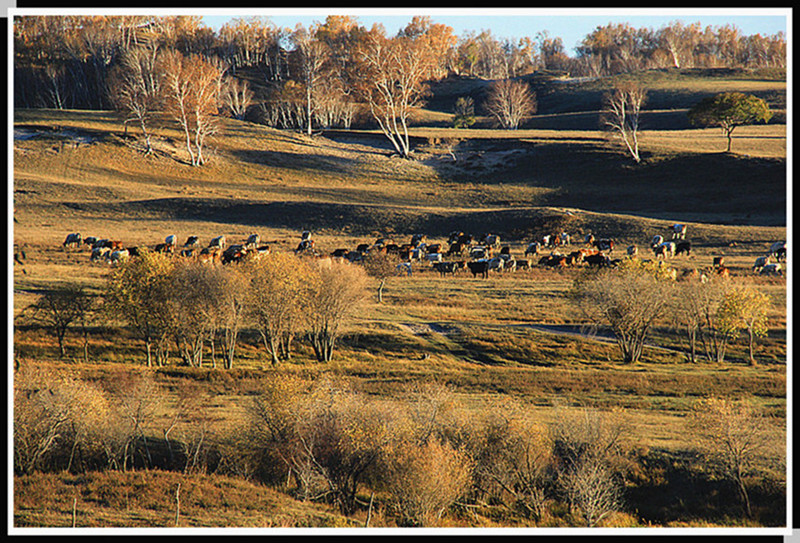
<point>729,110</point>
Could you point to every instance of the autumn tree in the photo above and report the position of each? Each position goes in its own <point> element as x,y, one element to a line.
<point>138,292</point>
<point>732,434</point>
<point>382,266</point>
<point>621,114</point>
<point>464,112</point>
<point>134,89</point>
<point>629,300</point>
<point>588,445</point>
<point>729,110</point>
<point>59,309</point>
<point>336,291</point>
<point>313,57</point>
<point>510,103</point>
<point>392,82</point>
<point>746,308</point>
<point>278,286</point>
<point>190,87</point>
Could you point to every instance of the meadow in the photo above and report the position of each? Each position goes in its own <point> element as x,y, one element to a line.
<point>514,336</point>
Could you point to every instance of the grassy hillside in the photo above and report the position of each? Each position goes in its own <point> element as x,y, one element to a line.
<point>515,336</point>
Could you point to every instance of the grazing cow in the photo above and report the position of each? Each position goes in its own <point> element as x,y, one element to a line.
<point>491,240</point>
<point>600,260</point>
<point>496,263</point>
<point>722,271</point>
<point>771,269</point>
<point>564,238</point>
<point>133,251</point>
<point>479,267</point>
<point>605,244</point>
<point>554,260</point>
<point>90,240</point>
<point>192,241</point>
<point>444,268</point>
<point>532,248</point>
<point>683,246</point>
<point>217,243</point>
<point>433,248</point>
<point>523,264</point>
<point>760,262</point>
<point>480,252</point>
<point>454,237</point>
<point>305,245</point>
<point>252,241</point>
<point>233,253</point>
<point>719,262</point>
<point>72,240</point>
<point>172,239</point>
<point>209,255</point>
<point>778,250</point>
<point>403,268</point>
<point>117,256</point>
<point>99,253</point>
<point>456,249</point>
<point>340,253</point>
<point>588,239</point>
<point>354,256</point>
<point>305,235</point>
<point>678,231</point>
<point>164,248</point>
<point>665,250</point>
<point>632,251</point>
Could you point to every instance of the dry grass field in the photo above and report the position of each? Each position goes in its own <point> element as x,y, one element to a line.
<point>514,335</point>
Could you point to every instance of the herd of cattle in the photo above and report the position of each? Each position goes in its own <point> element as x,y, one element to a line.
<point>479,256</point>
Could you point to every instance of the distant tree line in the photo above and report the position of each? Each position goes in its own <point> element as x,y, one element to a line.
<point>65,61</point>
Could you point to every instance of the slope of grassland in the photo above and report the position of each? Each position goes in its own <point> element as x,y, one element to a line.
<point>81,171</point>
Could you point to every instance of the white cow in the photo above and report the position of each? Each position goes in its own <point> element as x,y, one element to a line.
<point>678,231</point>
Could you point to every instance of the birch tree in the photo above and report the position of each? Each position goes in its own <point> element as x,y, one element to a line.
<point>392,82</point>
<point>621,114</point>
<point>191,88</point>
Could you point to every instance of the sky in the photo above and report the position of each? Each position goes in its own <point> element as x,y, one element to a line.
<point>569,24</point>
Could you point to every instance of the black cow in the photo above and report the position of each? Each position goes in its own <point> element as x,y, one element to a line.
<point>683,246</point>
<point>599,260</point>
<point>479,267</point>
<point>445,267</point>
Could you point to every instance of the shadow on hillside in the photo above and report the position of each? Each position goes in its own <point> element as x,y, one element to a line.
<point>296,161</point>
<point>714,187</point>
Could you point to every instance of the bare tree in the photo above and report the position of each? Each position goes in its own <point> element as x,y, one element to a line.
<point>190,89</point>
<point>134,88</point>
<point>733,433</point>
<point>587,446</point>
<point>313,55</point>
<point>621,112</point>
<point>58,309</point>
<point>392,76</point>
<point>510,102</point>
<point>237,96</point>
<point>629,299</point>
<point>382,266</point>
